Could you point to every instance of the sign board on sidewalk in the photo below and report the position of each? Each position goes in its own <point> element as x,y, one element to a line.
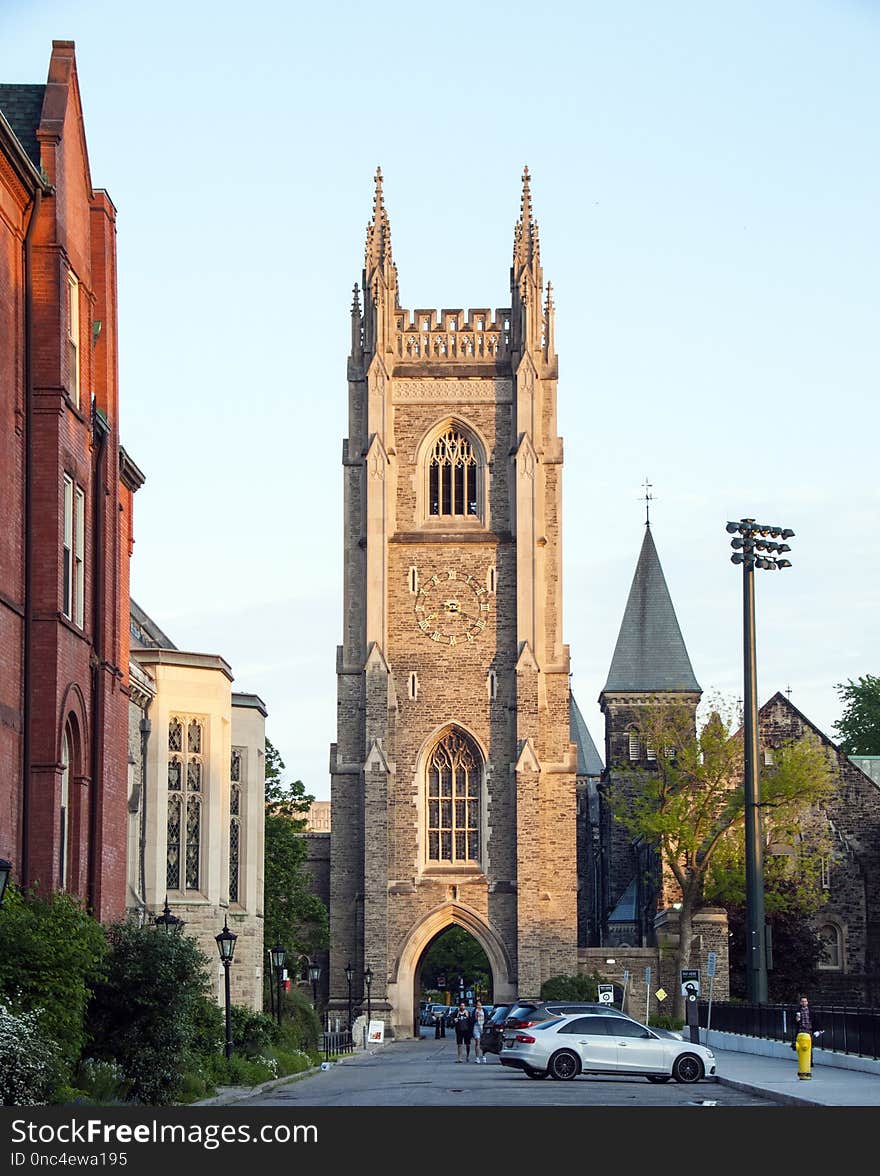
<point>711,960</point>
<point>661,994</point>
<point>648,977</point>
<point>690,981</point>
<point>606,993</point>
<point>376,1034</point>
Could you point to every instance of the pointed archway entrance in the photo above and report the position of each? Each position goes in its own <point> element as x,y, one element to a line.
<point>402,995</point>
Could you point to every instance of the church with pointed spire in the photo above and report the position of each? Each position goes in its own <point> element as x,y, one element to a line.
<point>650,667</point>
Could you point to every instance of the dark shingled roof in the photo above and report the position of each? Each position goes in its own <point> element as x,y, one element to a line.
<point>650,654</point>
<point>22,107</point>
<point>588,762</point>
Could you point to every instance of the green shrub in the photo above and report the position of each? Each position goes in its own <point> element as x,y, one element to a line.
<point>29,1061</point>
<point>665,1021</point>
<point>579,987</point>
<point>300,1025</point>
<point>252,1032</point>
<point>149,1014</point>
<point>51,954</point>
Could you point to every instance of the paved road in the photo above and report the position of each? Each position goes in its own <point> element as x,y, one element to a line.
<point>425,1073</point>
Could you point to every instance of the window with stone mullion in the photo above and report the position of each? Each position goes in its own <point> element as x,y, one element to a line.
<point>184,817</point>
<point>453,803</point>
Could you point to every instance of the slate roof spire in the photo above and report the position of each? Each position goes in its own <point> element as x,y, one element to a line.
<point>650,655</point>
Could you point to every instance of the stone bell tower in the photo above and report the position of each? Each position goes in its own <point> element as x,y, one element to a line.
<point>453,774</point>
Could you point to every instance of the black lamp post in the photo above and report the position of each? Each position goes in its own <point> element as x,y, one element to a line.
<point>5,871</point>
<point>277,956</point>
<point>754,545</point>
<point>168,921</point>
<point>349,975</point>
<point>315,976</point>
<point>368,980</point>
<point>226,946</point>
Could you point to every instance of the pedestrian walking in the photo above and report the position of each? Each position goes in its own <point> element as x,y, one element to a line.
<point>477,1022</point>
<point>806,1032</point>
<point>439,1022</point>
<point>463,1032</point>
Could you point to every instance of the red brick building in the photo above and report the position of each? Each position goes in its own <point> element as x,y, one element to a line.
<point>66,487</point>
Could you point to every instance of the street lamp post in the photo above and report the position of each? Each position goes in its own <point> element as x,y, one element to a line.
<point>349,975</point>
<point>315,976</point>
<point>368,980</point>
<point>168,921</point>
<point>755,545</point>
<point>277,957</point>
<point>5,871</point>
<point>226,946</point>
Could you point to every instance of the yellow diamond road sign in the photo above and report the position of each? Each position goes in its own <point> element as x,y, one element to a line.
<point>661,994</point>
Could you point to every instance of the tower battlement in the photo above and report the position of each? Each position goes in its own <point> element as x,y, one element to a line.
<point>452,334</point>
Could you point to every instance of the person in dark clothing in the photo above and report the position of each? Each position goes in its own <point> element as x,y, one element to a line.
<point>439,1023</point>
<point>805,1033</point>
<point>463,1031</point>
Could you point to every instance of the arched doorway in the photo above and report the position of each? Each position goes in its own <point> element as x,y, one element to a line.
<point>402,989</point>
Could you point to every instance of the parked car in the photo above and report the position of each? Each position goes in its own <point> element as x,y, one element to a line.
<point>602,1043</point>
<point>490,1042</point>
<point>526,1013</point>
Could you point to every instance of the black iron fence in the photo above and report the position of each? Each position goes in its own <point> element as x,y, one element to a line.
<point>845,1029</point>
<point>333,1044</point>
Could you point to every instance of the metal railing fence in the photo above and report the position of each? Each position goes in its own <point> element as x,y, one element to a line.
<point>335,1043</point>
<point>846,1029</point>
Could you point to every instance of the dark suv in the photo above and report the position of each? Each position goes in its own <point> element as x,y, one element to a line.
<point>490,1039</point>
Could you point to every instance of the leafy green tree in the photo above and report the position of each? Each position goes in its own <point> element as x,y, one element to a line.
<point>858,727</point>
<point>293,916</point>
<point>691,808</point>
<point>578,987</point>
<point>149,1014</point>
<point>51,953</point>
<point>456,953</point>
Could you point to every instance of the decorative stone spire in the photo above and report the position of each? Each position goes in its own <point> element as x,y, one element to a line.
<point>526,246</point>
<point>380,278</point>
<point>378,250</point>
<point>526,278</point>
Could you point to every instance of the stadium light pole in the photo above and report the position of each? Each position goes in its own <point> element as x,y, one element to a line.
<point>754,545</point>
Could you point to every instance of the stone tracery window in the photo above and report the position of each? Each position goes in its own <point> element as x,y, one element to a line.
<point>453,796</point>
<point>185,790</point>
<point>235,825</point>
<point>452,475</point>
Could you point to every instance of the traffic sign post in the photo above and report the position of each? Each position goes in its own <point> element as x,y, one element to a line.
<point>647,994</point>
<point>711,961</point>
<point>606,993</point>
<point>625,983</point>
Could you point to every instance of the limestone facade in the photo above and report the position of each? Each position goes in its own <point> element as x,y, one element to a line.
<point>196,803</point>
<point>452,672</point>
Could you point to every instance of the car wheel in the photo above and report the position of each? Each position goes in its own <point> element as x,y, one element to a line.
<point>687,1068</point>
<point>564,1065</point>
<point>535,1073</point>
<point>657,1077</point>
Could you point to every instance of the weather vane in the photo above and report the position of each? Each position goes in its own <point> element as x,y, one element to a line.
<point>649,498</point>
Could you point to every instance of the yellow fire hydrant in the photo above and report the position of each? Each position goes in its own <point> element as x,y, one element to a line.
<point>804,1046</point>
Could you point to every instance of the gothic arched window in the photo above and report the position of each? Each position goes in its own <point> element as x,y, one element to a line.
<point>453,796</point>
<point>452,475</point>
<point>185,791</point>
<point>64,816</point>
<point>235,825</point>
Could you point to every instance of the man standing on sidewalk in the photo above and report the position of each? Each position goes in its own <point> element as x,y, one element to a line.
<point>805,1032</point>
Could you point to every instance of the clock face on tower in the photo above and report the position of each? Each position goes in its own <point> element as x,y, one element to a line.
<point>452,608</point>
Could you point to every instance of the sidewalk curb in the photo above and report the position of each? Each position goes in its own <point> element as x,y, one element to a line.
<point>246,1092</point>
<point>787,1100</point>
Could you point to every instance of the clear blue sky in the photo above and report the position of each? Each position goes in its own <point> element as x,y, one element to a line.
<point>707,183</point>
